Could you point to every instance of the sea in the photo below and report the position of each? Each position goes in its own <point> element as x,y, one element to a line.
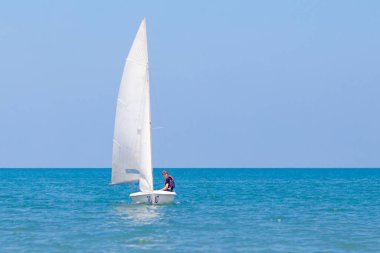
<point>216,210</point>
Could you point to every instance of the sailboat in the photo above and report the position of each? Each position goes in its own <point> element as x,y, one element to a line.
<point>132,149</point>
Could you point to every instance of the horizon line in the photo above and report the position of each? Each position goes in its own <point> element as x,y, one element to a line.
<point>169,168</point>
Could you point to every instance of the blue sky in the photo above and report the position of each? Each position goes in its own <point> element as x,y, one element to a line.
<point>233,83</point>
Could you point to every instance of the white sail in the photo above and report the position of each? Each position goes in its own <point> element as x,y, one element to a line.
<point>131,157</point>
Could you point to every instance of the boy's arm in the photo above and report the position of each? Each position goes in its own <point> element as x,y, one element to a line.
<point>166,187</point>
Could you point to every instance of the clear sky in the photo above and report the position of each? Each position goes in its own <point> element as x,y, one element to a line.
<point>233,83</point>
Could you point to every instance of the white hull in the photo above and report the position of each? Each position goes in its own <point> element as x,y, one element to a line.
<point>153,198</point>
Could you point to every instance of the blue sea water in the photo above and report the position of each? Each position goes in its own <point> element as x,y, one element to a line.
<point>217,210</point>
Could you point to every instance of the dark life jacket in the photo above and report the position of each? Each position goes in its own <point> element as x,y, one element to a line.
<point>171,184</point>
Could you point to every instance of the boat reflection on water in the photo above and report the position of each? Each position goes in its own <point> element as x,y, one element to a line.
<point>138,214</point>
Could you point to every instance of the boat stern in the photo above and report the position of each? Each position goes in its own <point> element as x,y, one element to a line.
<point>153,198</point>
